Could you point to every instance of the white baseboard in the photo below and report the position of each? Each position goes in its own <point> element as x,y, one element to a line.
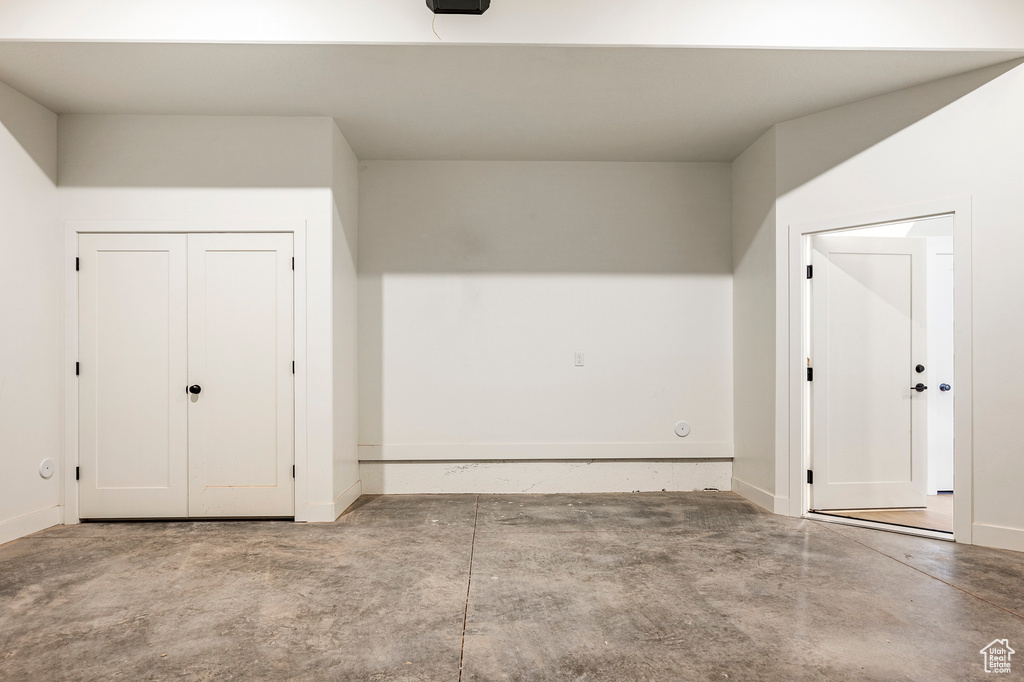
<point>328,513</point>
<point>999,537</point>
<point>481,452</point>
<point>319,513</point>
<point>762,498</point>
<point>346,499</point>
<point>577,476</point>
<point>20,526</point>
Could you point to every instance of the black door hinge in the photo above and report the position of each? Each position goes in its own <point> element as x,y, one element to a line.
<point>293,367</point>
<point>810,476</point>
<point>293,471</point>
<point>76,263</point>
<point>810,271</point>
<point>77,368</point>
<point>810,374</point>
<point>293,262</point>
<point>78,473</point>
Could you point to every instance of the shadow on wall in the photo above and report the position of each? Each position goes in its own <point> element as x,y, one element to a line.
<point>799,160</point>
<point>33,128</point>
<point>194,151</point>
<point>544,217</point>
<point>865,124</point>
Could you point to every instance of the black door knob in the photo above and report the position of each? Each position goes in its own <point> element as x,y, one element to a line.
<point>944,387</point>
<point>195,389</point>
<point>919,369</point>
<point>920,388</point>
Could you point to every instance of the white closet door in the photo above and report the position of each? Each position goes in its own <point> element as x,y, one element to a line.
<point>240,356</point>
<point>133,409</point>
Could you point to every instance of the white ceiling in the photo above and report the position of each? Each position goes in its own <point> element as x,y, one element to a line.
<point>482,102</point>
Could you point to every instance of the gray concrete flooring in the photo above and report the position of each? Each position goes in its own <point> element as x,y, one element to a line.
<point>661,586</point>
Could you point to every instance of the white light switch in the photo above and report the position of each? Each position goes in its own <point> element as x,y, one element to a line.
<point>579,359</point>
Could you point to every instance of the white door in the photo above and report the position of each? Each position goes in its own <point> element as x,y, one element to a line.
<point>240,359</point>
<point>133,410</point>
<point>869,426</point>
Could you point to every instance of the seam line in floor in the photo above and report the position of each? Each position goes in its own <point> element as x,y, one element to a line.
<point>922,572</point>
<point>469,585</point>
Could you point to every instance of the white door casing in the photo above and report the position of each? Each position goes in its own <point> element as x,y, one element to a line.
<point>868,332</point>
<point>240,351</point>
<point>133,419</point>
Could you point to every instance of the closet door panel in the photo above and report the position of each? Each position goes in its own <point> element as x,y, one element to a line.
<point>133,408</point>
<point>240,358</point>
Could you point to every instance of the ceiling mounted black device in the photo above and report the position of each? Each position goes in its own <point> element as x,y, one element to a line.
<point>458,6</point>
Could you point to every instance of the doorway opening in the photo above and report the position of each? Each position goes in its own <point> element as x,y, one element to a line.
<point>879,349</point>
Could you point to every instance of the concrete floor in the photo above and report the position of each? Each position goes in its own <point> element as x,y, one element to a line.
<point>662,586</point>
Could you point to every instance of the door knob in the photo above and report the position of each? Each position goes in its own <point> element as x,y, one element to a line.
<point>920,388</point>
<point>944,387</point>
<point>919,369</point>
<point>195,389</point>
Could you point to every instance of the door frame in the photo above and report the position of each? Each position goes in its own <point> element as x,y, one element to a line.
<point>799,349</point>
<point>73,228</point>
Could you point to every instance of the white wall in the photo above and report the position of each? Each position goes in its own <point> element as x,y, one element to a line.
<point>30,378</point>
<point>754,262</point>
<point>964,139</point>
<point>980,24</point>
<point>480,280</point>
<point>226,170</point>
<point>345,237</point>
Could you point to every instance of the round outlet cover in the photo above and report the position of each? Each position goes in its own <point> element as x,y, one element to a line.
<point>682,429</point>
<point>46,468</point>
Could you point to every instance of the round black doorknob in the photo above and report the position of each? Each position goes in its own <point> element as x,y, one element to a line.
<point>919,369</point>
<point>944,387</point>
<point>195,389</point>
<point>920,388</point>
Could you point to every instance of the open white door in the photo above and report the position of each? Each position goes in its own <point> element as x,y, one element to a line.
<point>133,419</point>
<point>869,426</point>
<point>240,362</point>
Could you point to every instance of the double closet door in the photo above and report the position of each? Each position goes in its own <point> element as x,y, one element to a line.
<point>185,375</point>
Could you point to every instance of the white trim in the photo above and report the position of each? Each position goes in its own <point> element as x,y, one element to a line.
<point>329,513</point>
<point>544,476</point>
<point>1000,537</point>
<point>799,450</point>
<point>171,226</point>
<point>762,498</point>
<point>319,513</point>
<point>420,452</point>
<point>20,526</point>
<point>346,499</point>
<point>72,228</point>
